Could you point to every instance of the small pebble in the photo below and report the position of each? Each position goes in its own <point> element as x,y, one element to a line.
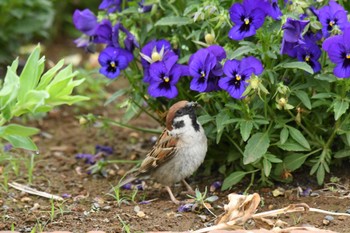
<point>35,207</point>
<point>141,214</point>
<point>325,222</point>
<point>270,207</point>
<point>347,211</point>
<point>329,218</point>
<point>26,199</point>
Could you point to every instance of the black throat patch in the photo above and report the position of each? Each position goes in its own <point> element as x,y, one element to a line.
<point>178,124</point>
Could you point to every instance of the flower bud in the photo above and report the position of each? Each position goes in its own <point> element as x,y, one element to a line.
<point>82,121</point>
<point>254,83</point>
<point>156,56</point>
<point>282,102</point>
<point>209,38</point>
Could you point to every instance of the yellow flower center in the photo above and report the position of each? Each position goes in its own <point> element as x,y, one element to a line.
<point>307,58</point>
<point>156,56</point>
<point>166,79</point>
<point>331,23</point>
<point>348,56</point>
<point>238,77</point>
<point>246,21</point>
<point>202,74</point>
<point>112,64</point>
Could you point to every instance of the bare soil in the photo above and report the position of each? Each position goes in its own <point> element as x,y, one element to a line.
<point>87,205</point>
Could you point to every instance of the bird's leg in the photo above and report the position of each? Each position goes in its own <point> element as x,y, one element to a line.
<point>188,187</point>
<point>172,197</point>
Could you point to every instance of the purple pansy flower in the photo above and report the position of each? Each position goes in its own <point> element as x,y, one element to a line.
<point>164,76</point>
<point>271,8</point>
<point>7,147</point>
<point>154,51</point>
<point>205,68</point>
<point>292,36</point>
<point>107,34</point>
<point>248,17</point>
<point>85,21</point>
<point>332,15</point>
<point>110,5</point>
<point>106,149</point>
<point>113,60</point>
<point>237,73</point>
<point>338,49</point>
<point>310,53</point>
<point>88,158</point>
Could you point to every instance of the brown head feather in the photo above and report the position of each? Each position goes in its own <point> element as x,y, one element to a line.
<point>171,113</point>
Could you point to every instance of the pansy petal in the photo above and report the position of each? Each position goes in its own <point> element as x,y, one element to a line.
<point>335,53</point>
<point>236,12</point>
<point>198,84</point>
<point>218,52</point>
<point>252,62</point>
<point>259,18</point>
<point>157,70</point>
<point>342,71</point>
<point>231,67</point>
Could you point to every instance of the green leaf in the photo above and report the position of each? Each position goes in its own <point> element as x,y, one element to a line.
<point>294,161</point>
<point>272,158</point>
<point>320,174</point>
<point>291,145</point>
<point>14,129</point>
<point>298,65</point>
<point>245,129</point>
<point>298,137</point>
<point>115,96</point>
<point>21,142</point>
<point>48,76</point>
<point>326,77</point>
<point>267,167</point>
<point>304,98</point>
<point>322,95</point>
<point>256,147</point>
<point>203,119</point>
<point>30,75</point>
<point>284,135</point>
<point>243,50</point>
<point>342,154</point>
<point>232,179</point>
<point>9,90</point>
<point>340,107</point>
<point>173,20</point>
<point>221,120</point>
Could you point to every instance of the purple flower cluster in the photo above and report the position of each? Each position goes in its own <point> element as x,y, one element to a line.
<point>161,69</point>
<point>205,68</point>
<point>305,46</point>
<point>237,73</point>
<point>114,57</point>
<point>100,153</point>
<point>249,16</point>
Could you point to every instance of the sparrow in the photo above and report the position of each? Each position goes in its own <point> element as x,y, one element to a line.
<point>178,152</point>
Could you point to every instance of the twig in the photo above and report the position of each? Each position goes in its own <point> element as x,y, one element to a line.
<point>30,190</point>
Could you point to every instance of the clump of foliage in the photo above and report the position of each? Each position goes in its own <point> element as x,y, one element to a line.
<point>22,21</point>
<point>272,76</point>
<point>33,91</point>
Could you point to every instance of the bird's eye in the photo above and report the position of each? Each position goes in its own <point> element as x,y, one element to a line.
<point>179,112</point>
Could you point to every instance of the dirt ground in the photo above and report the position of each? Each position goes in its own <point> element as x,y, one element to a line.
<point>87,205</point>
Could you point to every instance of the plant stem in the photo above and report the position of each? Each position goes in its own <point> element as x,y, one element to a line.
<point>250,184</point>
<point>123,125</point>
<point>234,143</point>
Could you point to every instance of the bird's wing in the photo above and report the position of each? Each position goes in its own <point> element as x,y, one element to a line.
<point>163,150</point>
